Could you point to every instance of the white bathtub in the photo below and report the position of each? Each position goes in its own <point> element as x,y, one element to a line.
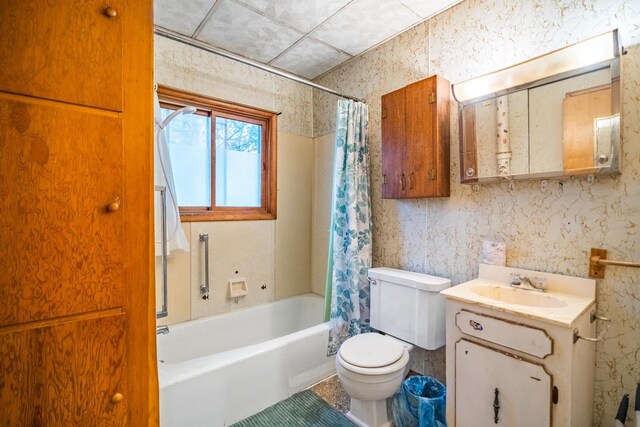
<point>218,370</point>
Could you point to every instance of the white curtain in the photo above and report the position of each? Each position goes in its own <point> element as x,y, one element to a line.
<point>163,176</point>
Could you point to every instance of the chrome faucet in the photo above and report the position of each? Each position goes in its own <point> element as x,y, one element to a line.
<point>161,330</point>
<point>520,281</point>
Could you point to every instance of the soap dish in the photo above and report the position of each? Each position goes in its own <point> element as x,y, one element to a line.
<point>238,287</point>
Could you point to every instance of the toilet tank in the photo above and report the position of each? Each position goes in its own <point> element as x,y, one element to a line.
<point>408,306</point>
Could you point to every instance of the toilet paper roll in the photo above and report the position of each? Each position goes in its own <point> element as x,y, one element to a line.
<point>494,253</point>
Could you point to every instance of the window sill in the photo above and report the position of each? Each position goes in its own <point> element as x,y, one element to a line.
<point>236,215</point>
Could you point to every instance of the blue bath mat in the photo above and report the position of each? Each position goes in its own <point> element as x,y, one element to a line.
<point>304,409</point>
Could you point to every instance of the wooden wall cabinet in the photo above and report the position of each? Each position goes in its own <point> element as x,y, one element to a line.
<point>415,140</point>
<point>77,306</point>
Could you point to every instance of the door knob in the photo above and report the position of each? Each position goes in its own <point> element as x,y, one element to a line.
<point>114,206</point>
<point>117,398</point>
<point>110,12</point>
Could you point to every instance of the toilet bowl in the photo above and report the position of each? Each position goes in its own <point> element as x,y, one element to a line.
<point>406,306</point>
<point>371,367</point>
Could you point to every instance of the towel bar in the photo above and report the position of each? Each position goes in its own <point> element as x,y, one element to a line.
<point>598,261</point>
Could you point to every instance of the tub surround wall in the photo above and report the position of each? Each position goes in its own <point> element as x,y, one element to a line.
<point>178,279</point>
<point>550,230</point>
<point>277,253</point>
<point>293,226</point>
<point>324,148</point>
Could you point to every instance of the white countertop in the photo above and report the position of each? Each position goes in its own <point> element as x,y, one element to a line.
<point>578,295</point>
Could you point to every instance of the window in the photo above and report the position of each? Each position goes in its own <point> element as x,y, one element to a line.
<point>223,158</point>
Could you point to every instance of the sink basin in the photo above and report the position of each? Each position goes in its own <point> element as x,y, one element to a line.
<point>518,296</point>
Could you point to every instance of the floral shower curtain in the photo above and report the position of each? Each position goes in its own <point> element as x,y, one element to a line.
<point>350,240</point>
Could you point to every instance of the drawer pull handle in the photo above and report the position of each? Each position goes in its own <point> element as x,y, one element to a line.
<point>475,325</point>
<point>496,407</point>
<point>117,398</point>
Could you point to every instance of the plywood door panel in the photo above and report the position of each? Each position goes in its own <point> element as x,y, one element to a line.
<point>579,113</point>
<point>524,389</point>
<point>61,251</point>
<point>420,158</point>
<point>393,144</point>
<point>64,50</point>
<point>64,374</point>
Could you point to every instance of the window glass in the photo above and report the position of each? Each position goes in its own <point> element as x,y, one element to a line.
<point>238,163</point>
<point>223,158</point>
<point>189,140</point>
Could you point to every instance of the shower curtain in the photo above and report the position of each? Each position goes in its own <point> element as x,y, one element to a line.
<point>163,176</point>
<point>350,239</point>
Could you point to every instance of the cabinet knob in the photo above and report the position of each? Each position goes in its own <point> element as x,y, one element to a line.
<point>117,398</point>
<point>110,12</point>
<point>114,206</point>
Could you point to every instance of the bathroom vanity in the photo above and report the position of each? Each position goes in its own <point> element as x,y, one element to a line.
<point>519,357</point>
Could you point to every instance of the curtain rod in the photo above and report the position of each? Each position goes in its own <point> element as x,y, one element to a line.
<point>163,32</point>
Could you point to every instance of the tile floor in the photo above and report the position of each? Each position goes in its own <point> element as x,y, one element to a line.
<point>332,392</point>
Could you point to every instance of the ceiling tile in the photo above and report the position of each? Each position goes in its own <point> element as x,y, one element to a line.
<point>182,16</point>
<point>302,15</point>
<point>365,23</point>
<point>309,59</point>
<point>237,29</point>
<point>429,8</point>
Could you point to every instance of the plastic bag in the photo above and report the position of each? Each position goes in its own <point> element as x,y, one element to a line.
<point>420,402</point>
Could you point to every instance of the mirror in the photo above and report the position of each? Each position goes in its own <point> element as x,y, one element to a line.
<point>553,125</point>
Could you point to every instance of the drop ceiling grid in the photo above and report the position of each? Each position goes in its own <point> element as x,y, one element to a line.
<point>307,38</point>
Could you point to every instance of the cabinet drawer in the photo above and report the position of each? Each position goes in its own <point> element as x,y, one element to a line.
<point>517,336</point>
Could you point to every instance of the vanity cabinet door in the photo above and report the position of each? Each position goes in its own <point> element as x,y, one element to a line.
<point>497,389</point>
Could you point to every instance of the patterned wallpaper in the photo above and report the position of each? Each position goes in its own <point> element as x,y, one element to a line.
<point>550,230</point>
<point>195,70</point>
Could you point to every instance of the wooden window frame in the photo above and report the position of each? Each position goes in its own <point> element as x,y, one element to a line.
<point>176,98</point>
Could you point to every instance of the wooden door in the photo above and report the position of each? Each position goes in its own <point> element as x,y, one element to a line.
<point>76,57</point>
<point>393,145</point>
<point>61,250</point>
<point>420,160</point>
<point>497,389</point>
<point>580,110</point>
<point>47,379</point>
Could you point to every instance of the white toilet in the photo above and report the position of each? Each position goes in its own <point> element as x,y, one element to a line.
<point>408,308</point>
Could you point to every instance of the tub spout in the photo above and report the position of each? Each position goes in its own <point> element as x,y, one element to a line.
<point>161,330</point>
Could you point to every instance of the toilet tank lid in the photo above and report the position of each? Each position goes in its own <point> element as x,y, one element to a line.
<point>409,278</point>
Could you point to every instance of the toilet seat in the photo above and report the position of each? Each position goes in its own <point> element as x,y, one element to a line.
<point>360,354</point>
<point>371,350</point>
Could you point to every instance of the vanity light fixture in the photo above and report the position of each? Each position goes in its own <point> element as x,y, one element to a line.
<point>594,53</point>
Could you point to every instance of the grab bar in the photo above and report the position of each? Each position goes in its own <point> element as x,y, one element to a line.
<point>164,312</point>
<point>204,289</point>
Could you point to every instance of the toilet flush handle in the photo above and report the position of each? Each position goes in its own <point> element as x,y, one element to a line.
<point>372,281</point>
